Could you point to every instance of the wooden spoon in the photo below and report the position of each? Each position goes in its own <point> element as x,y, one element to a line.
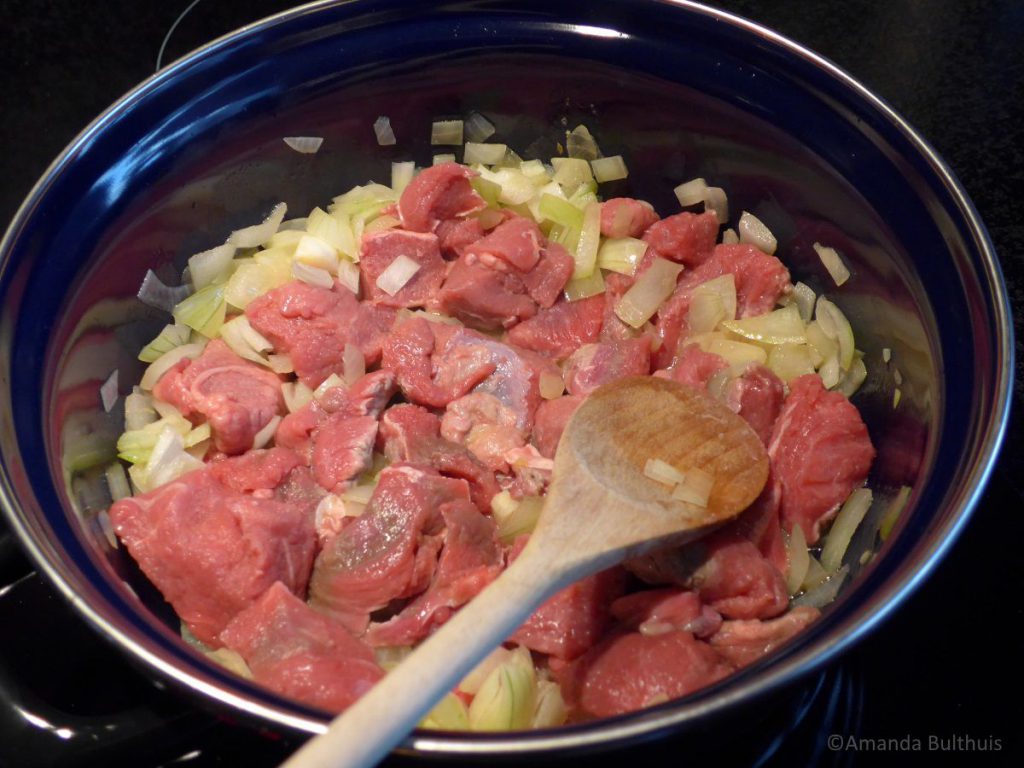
<point>600,509</point>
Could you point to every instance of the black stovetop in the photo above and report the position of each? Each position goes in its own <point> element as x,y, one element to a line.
<point>947,667</point>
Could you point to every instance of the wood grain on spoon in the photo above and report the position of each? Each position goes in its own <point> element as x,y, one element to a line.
<point>600,510</point>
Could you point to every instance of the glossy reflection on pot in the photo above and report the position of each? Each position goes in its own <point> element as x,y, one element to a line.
<point>679,91</point>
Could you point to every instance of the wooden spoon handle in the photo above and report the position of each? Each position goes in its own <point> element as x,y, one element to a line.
<point>367,730</point>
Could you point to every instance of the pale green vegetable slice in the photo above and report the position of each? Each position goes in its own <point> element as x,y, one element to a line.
<point>585,287</point>
<point>788,361</point>
<point>835,325</point>
<point>609,168</point>
<point>170,337</point>
<point>571,172</point>
<point>783,326</point>
<point>550,710</point>
<point>590,239</point>
<point>203,311</point>
<point>621,254</point>
<point>212,266</point>
<point>799,559</point>
<point>647,294</point>
<point>849,518</point>
<point>449,714</point>
<point>506,699</point>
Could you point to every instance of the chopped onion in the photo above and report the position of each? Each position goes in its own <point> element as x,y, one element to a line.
<point>553,206</point>
<point>590,239</point>
<point>314,252</point>
<point>252,279</point>
<point>442,159</point>
<point>514,187</point>
<point>854,377</point>
<point>305,145</point>
<point>449,714</point>
<point>716,200</point>
<point>835,325</point>
<point>159,296</point>
<point>696,488</point>
<point>621,254</point>
<point>646,295</point>
<point>333,229</point>
<point>348,275</point>
<point>804,297</point>
<point>401,174</point>
<point>846,523</point>
<point>168,461</point>
<point>397,274</point>
<point>521,518</point>
<point>477,127</point>
<point>332,381</point>
<point>585,287</point>
<point>258,234</point>
<point>691,192</point>
<point>738,353</point>
<point>312,275</point>
<point>506,698</point>
<point>354,363</point>
<point>265,435</point>
<point>244,340</point>
<point>609,169</point>
<point>550,710</point>
<point>713,302</point>
<point>782,326</point>
<point>474,679</point>
<point>896,396</point>
<point>117,483</point>
<point>886,354</point>
<point>798,557</point>
<point>833,263</point>
<point>385,135</point>
<point>536,171</point>
<point>824,593</point>
<point>579,143</point>
<point>571,173</point>
<point>446,132</point>
<point>830,372</point>
<point>291,225</point>
<point>108,391</point>
<point>485,154</point>
<point>892,514</point>
<point>296,395</point>
<point>281,364</point>
<point>753,231</point>
<point>168,360</point>
<point>788,361</point>
<point>663,472</point>
<point>138,410</point>
<point>170,337</point>
<point>815,574</point>
<point>551,386</point>
<point>729,237</point>
<point>211,266</point>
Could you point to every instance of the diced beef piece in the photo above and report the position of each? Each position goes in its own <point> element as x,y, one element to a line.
<point>438,193</point>
<point>295,432</point>
<point>312,325</point>
<point>374,559</point>
<point>820,451</point>
<point>657,611</point>
<point>485,426</point>
<point>367,396</point>
<point>298,652</point>
<point>412,434</point>
<point>757,396</point>
<point>212,551</point>
<point>612,328</point>
<point>562,329</point>
<point>760,525</point>
<point>626,217</point>
<point>379,250</point>
<point>255,470</point>
<point>410,351</point>
<point>688,238</point>
<point>546,280</point>
<point>514,244</point>
<point>574,619</point>
<point>343,450</point>
<point>760,281</point>
<point>630,671</point>
<point>607,361</point>
<point>552,416</point>
<point>238,398</point>
<point>471,558</point>
<point>455,234</point>
<point>744,642</point>
<point>695,367</point>
<point>483,297</point>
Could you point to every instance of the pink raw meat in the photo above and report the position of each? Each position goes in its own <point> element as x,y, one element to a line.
<point>379,250</point>
<point>552,416</point>
<point>688,238</point>
<point>626,217</point>
<point>657,611</point>
<point>595,364</point>
<point>514,244</point>
<point>438,193</point>
<point>562,329</point>
<point>744,642</point>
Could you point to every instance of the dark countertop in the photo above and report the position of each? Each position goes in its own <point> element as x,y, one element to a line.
<point>953,68</point>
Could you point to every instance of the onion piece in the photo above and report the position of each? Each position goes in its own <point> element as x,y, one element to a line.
<point>691,192</point>
<point>716,200</point>
<point>165,362</point>
<point>258,234</point>
<point>798,557</point>
<point>354,363</point>
<point>212,266</point>
<point>753,230</point>
<point>442,159</point>
<point>265,435</point>
<point>892,514</point>
<point>850,516</point>
<point>138,410</point>
<point>551,386</point>
<point>789,361</point>
<point>281,363</point>
<point>662,472</point>
<point>609,169</point>
<point>833,263</point>
<point>729,237</point>
<point>815,574</point>
<point>782,326</point>
<point>738,353</point>
<point>401,174</point>
<point>514,187</point>
<point>159,296</point>
<point>348,275</point>
<point>485,154</point>
<point>117,483</point>
<point>886,354</point>
<point>477,127</point>
<point>312,275</point>
<point>397,274</point>
<point>590,239</point>
<point>108,391</point>
<point>579,143</point>
<point>296,395</point>
<point>506,698</point>
<point>713,302</point>
<point>314,252</point>
<point>168,461</point>
<point>170,337</point>
<point>585,287</point>
<point>304,145</point>
<point>647,294</point>
<point>621,254</point>
<point>571,173</point>
<point>550,710</point>
<point>824,593</point>
<point>446,132</point>
<point>333,229</point>
<point>835,325</point>
<point>449,714</point>
<point>854,377</point>
<point>696,488</point>
<point>804,297</point>
<point>474,679</point>
<point>382,129</point>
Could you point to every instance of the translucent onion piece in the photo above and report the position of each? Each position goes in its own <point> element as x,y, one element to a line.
<point>571,172</point>
<point>824,593</point>
<point>691,192</point>
<point>585,287</point>
<point>348,275</point>
<point>314,252</point>
<point>485,154</point>
<point>285,239</point>
<point>590,239</point>
<point>165,362</point>
<point>252,279</point>
<point>815,574</point>
<point>332,381</point>
<point>835,325</point>
<point>240,336</point>
<point>159,296</point>
<point>296,395</point>
<point>291,225</point>
<point>621,254</point>
<point>382,129</point>
<point>354,363</point>
<point>211,266</point>
<point>729,237</point>
<point>798,557</point>
<point>712,303</point>
<point>117,483</point>
<point>108,391</point>
<point>401,174</point>
<point>886,354</point>
<point>333,229</point>
<point>553,206</point>
<point>305,145</point>
<point>168,461</point>
<point>854,377</point>
<point>696,488</point>
<point>783,326</point>
<point>477,128</point>
<point>138,411</point>
<point>312,275</point>
<point>442,159</point>
<point>609,168</point>
<point>265,435</point>
<point>516,187</point>
<point>536,171</point>
<point>522,519</point>
<point>849,518</point>
<point>647,294</point>
<point>892,514</point>
<point>397,274</point>
<point>550,710</point>
<point>663,472</point>
<point>715,200</point>
<point>474,679</point>
<point>281,364</point>
<point>579,143</point>
<point>447,132</point>
<point>896,396</point>
<point>804,297</point>
<point>738,353</point>
<point>449,714</point>
<point>170,337</point>
<point>258,234</point>
<point>833,263</point>
<point>752,230</point>
<point>551,386</point>
<point>505,701</point>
